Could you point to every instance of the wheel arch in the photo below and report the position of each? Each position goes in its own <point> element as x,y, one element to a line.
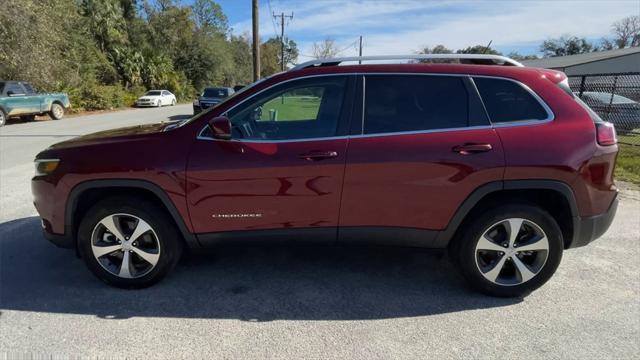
<point>85,194</point>
<point>554,196</point>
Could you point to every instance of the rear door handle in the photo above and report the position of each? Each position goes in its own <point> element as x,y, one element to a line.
<point>318,155</point>
<point>468,149</point>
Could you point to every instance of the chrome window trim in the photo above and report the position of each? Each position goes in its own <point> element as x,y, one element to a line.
<point>525,122</point>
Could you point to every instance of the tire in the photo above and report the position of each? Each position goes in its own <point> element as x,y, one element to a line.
<point>28,118</point>
<point>161,244</point>
<point>57,111</point>
<point>3,117</point>
<point>477,248</point>
<point>173,102</point>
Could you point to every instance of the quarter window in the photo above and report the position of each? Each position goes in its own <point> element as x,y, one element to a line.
<point>397,103</point>
<point>508,101</point>
<point>307,108</point>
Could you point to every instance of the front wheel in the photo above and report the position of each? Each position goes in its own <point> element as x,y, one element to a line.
<point>128,244</point>
<point>57,111</point>
<point>509,250</point>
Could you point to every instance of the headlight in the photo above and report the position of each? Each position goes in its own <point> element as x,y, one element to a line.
<point>46,166</point>
<point>196,102</point>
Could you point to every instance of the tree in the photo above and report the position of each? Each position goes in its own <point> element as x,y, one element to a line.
<point>566,45</point>
<point>270,55</point>
<point>517,56</point>
<point>626,32</point>
<point>438,49</point>
<point>209,15</point>
<point>478,49</point>
<point>325,49</point>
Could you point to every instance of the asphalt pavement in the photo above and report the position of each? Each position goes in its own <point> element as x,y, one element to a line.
<point>250,302</point>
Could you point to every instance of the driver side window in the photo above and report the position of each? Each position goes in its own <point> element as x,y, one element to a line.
<point>307,108</point>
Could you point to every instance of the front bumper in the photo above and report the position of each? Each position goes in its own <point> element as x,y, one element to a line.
<point>64,241</point>
<point>589,228</point>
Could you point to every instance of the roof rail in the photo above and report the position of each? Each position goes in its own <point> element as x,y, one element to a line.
<point>466,58</point>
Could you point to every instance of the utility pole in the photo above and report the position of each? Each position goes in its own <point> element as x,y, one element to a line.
<point>360,52</point>
<point>256,42</point>
<point>282,17</point>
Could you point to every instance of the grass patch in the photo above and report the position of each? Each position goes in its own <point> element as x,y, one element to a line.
<point>290,108</point>
<point>628,164</point>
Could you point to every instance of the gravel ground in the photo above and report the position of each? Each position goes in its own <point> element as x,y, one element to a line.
<point>298,302</point>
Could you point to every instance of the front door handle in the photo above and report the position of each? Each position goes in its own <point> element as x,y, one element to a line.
<point>468,149</point>
<point>318,155</point>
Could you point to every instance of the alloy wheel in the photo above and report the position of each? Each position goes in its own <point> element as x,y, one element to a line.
<point>125,245</point>
<point>512,251</point>
<point>58,112</point>
<point>2,118</point>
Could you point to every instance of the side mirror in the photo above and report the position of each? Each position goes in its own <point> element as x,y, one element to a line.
<point>220,127</point>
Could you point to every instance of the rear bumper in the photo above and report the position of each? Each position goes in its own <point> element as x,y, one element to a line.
<point>589,228</point>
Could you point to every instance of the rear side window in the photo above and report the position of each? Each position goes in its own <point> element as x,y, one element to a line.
<point>397,103</point>
<point>508,101</point>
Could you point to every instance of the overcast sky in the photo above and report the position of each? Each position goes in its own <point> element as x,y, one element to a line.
<point>405,26</point>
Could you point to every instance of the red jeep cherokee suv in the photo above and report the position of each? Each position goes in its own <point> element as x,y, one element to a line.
<point>496,162</point>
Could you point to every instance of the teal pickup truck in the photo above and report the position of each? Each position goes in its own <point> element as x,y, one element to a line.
<point>17,99</point>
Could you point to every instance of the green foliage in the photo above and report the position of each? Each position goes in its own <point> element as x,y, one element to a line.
<point>106,53</point>
<point>628,163</point>
<point>566,45</point>
<point>478,49</point>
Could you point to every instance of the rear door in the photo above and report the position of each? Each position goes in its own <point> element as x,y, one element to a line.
<point>283,168</point>
<point>423,144</point>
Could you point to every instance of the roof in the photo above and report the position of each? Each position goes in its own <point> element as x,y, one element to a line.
<point>572,60</point>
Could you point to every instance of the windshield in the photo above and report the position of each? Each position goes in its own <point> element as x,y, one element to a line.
<point>214,92</point>
<point>153,93</point>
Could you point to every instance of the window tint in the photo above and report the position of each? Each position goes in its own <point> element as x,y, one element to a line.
<point>28,88</point>
<point>508,101</point>
<point>14,88</point>
<point>395,103</point>
<point>307,108</point>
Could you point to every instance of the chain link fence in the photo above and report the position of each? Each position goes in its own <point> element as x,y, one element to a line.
<point>616,98</point>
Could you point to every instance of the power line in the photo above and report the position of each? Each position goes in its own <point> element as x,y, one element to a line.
<point>273,21</point>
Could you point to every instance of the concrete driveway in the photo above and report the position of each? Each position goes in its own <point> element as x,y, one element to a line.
<point>298,302</point>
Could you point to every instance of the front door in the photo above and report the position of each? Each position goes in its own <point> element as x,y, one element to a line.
<point>283,168</point>
<point>424,145</point>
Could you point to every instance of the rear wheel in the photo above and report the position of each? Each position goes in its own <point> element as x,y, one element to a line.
<point>128,244</point>
<point>3,117</point>
<point>510,250</point>
<point>57,111</point>
<point>173,102</point>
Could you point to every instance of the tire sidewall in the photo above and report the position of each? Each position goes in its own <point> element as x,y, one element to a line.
<point>53,113</point>
<point>467,249</point>
<point>168,238</point>
<point>3,118</point>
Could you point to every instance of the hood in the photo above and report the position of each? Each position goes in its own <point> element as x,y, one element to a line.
<point>115,135</point>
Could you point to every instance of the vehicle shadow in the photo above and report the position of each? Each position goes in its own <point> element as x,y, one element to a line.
<point>180,117</point>
<point>251,283</point>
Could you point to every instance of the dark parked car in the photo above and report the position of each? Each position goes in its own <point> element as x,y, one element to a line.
<point>210,97</point>
<point>499,164</point>
<point>622,112</point>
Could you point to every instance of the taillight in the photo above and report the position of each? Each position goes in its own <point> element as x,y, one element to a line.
<point>606,134</point>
